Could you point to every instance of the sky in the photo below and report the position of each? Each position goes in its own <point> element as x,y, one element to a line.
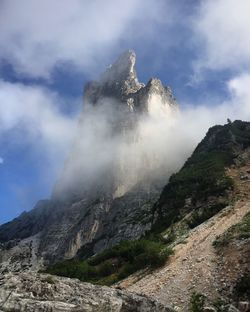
<point>49,49</point>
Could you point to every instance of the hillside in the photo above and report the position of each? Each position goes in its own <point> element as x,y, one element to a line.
<point>206,197</point>
<point>202,185</point>
<point>208,259</point>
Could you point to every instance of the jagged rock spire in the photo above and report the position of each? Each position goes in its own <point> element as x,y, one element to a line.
<point>122,69</point>
<point>120,81</point>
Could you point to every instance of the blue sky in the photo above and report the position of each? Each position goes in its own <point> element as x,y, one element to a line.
<point>48,51</point>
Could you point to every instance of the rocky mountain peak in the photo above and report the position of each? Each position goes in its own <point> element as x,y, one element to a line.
<point>122,69</point>
<point>118,81</point>
<point>155,86</point>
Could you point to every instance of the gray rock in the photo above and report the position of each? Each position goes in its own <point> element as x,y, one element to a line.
<point>43,293</point>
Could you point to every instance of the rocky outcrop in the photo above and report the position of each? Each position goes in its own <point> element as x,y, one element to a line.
<point>36,292</point>
<point>20,255</point>
<point>97,206</point>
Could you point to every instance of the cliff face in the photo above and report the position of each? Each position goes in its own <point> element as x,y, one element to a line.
<point>105,192</point>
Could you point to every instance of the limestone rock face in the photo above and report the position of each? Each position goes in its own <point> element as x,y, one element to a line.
<point>119,80</point>
<point>35,292</point>
<point>101,197</point>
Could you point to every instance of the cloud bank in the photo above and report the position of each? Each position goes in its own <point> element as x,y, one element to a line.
<point>221,30</point>
<point>36,37</point>
<point>32,115</point>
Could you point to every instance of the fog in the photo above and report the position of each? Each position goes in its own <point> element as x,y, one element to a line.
<point>120,148</point>
<point>115,149</point>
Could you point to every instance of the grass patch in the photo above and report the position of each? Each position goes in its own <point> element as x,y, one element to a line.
<point>115,263</point>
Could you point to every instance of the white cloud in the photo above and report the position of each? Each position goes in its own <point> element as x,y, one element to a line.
<point>240,95</point>
<point>36,36</point>
<point>197,119</point>
<point>32,115</point>
<point>222,30</point>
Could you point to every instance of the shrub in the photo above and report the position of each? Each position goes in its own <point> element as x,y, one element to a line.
<point>106,268</point>
<point>198,217</point>
<point>197,302</point>
<point>127,270</point>
<point>202,176</point>
<point>108,280</point>
<point>116,263</point>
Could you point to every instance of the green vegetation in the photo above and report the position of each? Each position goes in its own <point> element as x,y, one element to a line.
<point>202,176</point>
<point>200,216</point>
<point>241,132</point>
<point>238,231</point>
<point>115,263</point>
<point>197,302</point>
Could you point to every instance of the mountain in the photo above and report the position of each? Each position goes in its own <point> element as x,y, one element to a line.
<point>116,216</point>
<point>199,236</point>
<point>204,214</point>
<point>109,183</point>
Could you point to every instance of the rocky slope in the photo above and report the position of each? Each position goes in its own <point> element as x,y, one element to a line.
<point>206,260</point>
<point>97,202</point>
